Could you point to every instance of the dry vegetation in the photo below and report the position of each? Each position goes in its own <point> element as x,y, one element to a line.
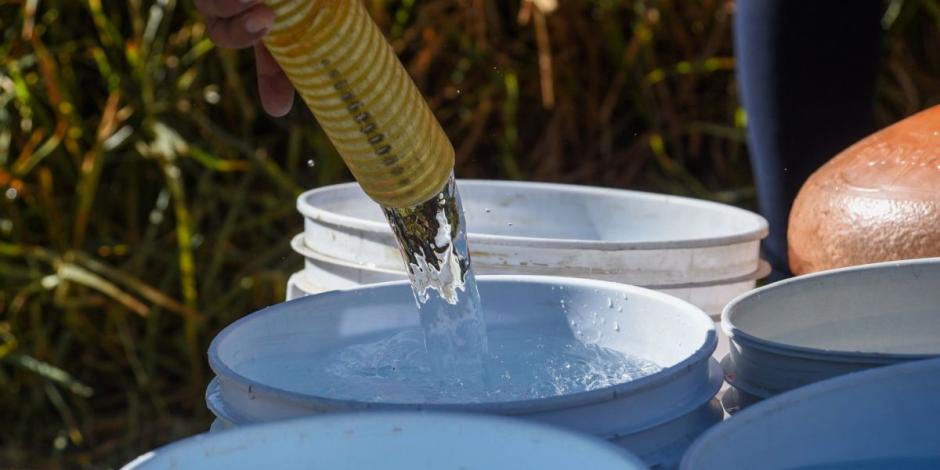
<point>146,201</point>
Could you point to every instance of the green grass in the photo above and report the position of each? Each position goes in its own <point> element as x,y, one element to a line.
<point>146,201</point>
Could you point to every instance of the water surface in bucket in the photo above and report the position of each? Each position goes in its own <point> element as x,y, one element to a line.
<point>396,368</point>
<point>432,237</point>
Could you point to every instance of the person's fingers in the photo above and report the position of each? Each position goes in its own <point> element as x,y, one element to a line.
<point>242,30</point>
<point>241,23</point>
<point>277,92</point>
<point>224,8</point>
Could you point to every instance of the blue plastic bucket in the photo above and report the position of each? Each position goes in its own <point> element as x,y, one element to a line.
<point>656,416</point>
<point>879,418</point>
<point>393,441</point>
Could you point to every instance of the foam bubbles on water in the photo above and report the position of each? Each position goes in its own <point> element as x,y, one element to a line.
<point>398,369</point>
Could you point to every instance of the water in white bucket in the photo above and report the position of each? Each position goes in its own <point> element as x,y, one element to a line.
<point>397,368</point>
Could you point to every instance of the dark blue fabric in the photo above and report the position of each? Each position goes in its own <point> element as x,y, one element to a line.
<point>807,71</point>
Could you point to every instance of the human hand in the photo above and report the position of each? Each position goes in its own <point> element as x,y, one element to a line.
<point>236,24</point>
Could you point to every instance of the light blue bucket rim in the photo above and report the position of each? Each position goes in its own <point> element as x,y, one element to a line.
<point>759,230</point>
<point>742,337</point>
<point>783,401</point>
<point>342,421</point>
<point>700,357</point>
<point>715,381</point>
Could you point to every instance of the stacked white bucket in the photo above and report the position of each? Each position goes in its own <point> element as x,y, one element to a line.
<point>703,252</point>
<point>814,327</point>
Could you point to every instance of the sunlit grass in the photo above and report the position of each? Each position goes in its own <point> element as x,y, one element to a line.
<point>146,200</point>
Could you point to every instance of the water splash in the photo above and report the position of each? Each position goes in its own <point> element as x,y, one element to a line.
<point>518,366</point>
<point>432,238</point>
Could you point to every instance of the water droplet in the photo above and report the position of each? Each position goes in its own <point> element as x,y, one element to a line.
<point>509,224</point>
<point>211,94</point>
<point>619,309</point>
<point>12,193</point>
<point>311,163</point>
<point>60,443</point>
<point>616,326</point>
<point>624,296</point>
<point>173,172</point>
<point>50,281</point>
<point>486,210</point>
<point>610,303</point>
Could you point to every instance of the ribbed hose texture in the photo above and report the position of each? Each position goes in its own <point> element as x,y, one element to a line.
<point>359,92</point>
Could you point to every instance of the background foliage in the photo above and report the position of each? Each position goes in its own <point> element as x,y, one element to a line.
<point>146,200</point>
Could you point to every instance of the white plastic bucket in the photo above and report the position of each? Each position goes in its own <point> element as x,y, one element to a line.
<point>810,328</point>
<point>643,239</point>
<point>393,441</point>
<point>323,276</point>
<point>876,419</point>
<point>655,417</point>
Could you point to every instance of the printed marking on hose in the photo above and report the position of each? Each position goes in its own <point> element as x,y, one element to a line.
<point>356,109</point>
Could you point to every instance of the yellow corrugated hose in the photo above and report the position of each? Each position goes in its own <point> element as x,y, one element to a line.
<point>349,76</point>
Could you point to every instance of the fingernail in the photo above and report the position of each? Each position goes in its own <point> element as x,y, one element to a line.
<point>256,25</point>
